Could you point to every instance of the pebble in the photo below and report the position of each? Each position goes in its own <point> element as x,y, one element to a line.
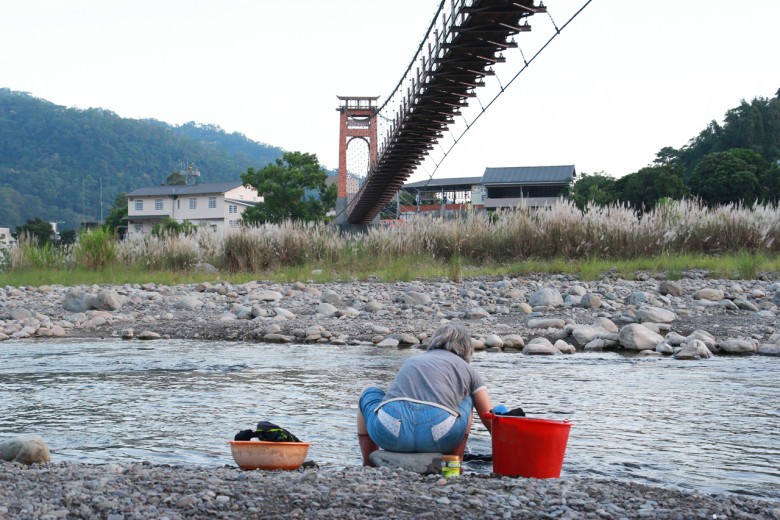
<point>140,491</point>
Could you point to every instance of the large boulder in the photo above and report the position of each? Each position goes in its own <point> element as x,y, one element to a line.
<point>694,349</point>
<point>25,449</point>
<point>638,337</point>
<point>108,300</point>
<point>416,298</point>
<point>77,300</point>
<point>739,346</point>
<point>546,297</point>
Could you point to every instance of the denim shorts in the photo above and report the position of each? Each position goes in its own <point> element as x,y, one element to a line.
<point>409,427</point>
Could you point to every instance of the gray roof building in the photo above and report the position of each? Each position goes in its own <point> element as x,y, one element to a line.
<point>198,189</point>
<point>528,175</point>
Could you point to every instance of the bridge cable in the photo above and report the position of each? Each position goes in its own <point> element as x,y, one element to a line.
<point>485,107</point>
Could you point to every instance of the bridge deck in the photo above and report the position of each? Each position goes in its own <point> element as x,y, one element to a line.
<point>465,50</point>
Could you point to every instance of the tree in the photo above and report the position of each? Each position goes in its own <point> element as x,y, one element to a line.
<point>283,186</point>
<point>116,221</point>
<point>41,231</point>
<point>176,179</point>
<point>643,189</point>
<point>724,177</point>
<point>595,188</point>
<point>68,237</point>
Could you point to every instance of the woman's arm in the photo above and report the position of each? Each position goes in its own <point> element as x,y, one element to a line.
<point>483,404</point>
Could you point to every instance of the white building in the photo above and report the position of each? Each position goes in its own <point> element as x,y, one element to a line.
<point>5,237</point>
<point>218,205</point>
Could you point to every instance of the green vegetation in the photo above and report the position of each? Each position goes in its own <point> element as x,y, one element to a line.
<point>730,241</point>
<point>284,186</point>
<point>55,161</point>
<point>736,162</point>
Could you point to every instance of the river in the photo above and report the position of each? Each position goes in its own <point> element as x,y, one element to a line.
<point>707,425</point>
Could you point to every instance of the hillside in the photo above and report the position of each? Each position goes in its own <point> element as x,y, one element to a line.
<point>54,160</point>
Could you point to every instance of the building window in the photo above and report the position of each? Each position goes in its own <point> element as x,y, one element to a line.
<point>139,228</point>
<point>233,224</point>
<point>158,204</point>
<point>139,205</point>
<point>233,209</point>
<point>213,227</point>
<point>212,202</point>
<point>193,203</point>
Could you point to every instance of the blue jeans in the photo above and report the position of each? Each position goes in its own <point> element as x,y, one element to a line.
<point>407,427</point>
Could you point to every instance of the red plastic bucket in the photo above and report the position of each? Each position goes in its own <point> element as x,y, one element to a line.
<point>532,448</point>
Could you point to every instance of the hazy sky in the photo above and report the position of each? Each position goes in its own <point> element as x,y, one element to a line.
<point>625,79</point>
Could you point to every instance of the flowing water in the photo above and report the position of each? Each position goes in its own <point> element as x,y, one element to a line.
<point>710,425</point>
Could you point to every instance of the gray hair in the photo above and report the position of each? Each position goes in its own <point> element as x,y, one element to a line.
<point>454,338</point>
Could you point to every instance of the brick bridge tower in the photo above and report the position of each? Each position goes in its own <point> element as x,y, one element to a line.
<point>357,120</point>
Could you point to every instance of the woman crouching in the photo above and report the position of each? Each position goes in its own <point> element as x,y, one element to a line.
<point>428,405</point>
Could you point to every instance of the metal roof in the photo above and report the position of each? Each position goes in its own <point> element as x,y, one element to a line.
<point>529,174</point>
<point>198,189</point>
<point>442,183</point>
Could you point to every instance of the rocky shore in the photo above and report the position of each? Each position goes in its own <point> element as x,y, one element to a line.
<point>141,491</point>
<point>692,318</point>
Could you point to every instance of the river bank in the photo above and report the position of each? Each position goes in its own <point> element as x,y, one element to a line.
<point>141,491</point>
<point>562,313</point>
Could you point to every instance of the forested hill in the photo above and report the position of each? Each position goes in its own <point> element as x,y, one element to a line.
<point>54,159</point>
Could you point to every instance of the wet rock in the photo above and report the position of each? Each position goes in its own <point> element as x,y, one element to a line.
<point>148,335</point>
<point>738,346</point>
<point>693,350</point>
<point>25,449</point>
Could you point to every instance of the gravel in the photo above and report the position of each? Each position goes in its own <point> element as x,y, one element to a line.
<point>142,491</point>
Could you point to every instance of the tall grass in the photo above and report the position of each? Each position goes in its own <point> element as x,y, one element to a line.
<point>95,249</point>
<point>731,240</point>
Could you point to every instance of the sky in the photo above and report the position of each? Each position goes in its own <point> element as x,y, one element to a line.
<point>623,80</point>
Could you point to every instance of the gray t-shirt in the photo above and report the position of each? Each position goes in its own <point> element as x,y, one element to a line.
<point>438,377</point>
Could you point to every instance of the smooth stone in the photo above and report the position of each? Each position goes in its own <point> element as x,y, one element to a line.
<point>670,288</point>
<point>416,298</point>
<point>327,309</point>
<point>148,335</point>
<point>655,314</point>
<point>713,295</point>
<point>266,295</point>
<point>545,323</point>
<point>565,348</point>
<point>540,349</point>
<point>591,301</point>
<point>738,346</point>
<point>693,350</point>
<point>494,340</point>
<point>25,449</point>
<point>546,297</point>
<point>389,343</point>
<point>637,337</point>
<point>768,349</point>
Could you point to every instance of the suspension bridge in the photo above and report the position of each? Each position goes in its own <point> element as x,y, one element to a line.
<point>464,42</point>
